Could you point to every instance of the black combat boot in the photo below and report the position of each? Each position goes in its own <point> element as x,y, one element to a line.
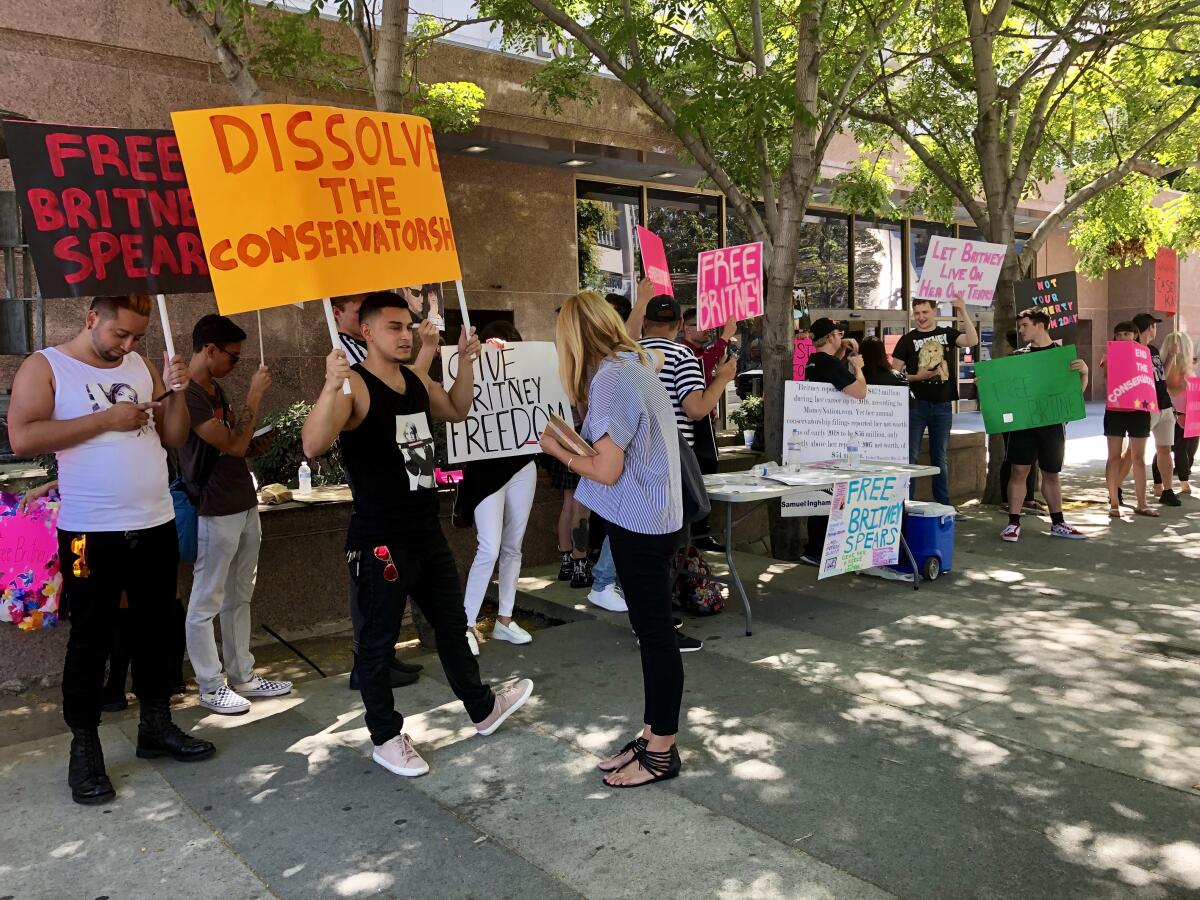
<point>159,736</point>
<point>85,773</point>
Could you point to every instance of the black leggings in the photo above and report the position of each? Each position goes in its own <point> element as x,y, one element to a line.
<point>643,564</point>
<point>1185,455</point>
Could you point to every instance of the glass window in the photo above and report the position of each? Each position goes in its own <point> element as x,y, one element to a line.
<point>605,218</point>
<point>823,264</point>
<point>687,224</point>
<point>878,276</point>
<point>971,233</point>
<point>919,234</point>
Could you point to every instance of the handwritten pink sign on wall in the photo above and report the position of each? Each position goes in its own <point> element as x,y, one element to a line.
<point>1130,385</point>
<point>729,282</point>
<point>654,260</point>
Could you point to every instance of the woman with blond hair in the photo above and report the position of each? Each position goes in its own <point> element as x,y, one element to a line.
<point>633,484</point>
<point>1177,352</point>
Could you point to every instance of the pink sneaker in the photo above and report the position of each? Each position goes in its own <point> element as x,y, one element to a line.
<point>1063,530</point>
<point>1011,533</point>
<point>508,701</point>
<point>400,756</point>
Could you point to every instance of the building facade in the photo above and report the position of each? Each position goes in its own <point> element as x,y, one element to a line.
<point>529,193</point>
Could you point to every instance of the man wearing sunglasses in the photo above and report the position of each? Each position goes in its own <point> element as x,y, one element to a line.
<point>218,482</point>
<point>395,547</point>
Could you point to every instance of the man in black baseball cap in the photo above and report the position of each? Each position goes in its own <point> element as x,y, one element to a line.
<point>831,362</point>
<point>1144,320</point>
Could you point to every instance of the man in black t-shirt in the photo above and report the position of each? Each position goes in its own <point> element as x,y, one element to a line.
<point>1045,445</point>
<point>395,546</point>
<point>927,355</point>
<point>833,361</point>
<point>1162,423</point>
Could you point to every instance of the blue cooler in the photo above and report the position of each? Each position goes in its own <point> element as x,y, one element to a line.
<point>929,532</point>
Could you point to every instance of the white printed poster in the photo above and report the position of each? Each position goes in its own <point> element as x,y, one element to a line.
<point>864,524</point>
<point>956,267</point>
<point>516,390</point>
<point>819,421</point>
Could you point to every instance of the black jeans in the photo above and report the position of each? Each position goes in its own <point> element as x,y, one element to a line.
<point>1184,453</point>
<point>643,564</point>
<point>814,545</point>
<point>142,565</point>
<point>426,571</point>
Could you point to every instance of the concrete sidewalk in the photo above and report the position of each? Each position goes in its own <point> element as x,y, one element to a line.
<point>1027,726</point>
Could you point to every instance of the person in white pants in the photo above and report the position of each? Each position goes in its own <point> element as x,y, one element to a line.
<point>216,478</point>
<point>498,495</point>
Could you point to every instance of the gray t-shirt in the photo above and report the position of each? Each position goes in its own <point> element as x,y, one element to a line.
<point>228,489</point>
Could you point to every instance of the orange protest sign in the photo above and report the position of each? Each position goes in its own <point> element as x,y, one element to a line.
<point>304,202</point>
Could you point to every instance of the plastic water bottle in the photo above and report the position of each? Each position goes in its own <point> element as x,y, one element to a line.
<point>304,478</point>
<point>793,444</point>
<point>852,453</point>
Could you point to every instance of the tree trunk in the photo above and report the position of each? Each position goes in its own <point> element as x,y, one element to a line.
<point>777,354</point>
<point>390,58</point>
<point>233,67</point>
<point>1004,317</point>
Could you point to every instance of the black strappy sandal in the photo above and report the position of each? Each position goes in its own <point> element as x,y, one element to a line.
<point>662,765</point>
<point>634,745</point>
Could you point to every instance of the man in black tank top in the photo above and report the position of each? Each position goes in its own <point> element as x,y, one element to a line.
<point>395,546</point>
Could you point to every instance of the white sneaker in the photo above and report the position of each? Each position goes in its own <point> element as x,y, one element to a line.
<point>472,642</point>
<point>225,701</point>
<point>610,598</point>
<point>263,687</point>
<point>513,633</point>
<point>400,756</point>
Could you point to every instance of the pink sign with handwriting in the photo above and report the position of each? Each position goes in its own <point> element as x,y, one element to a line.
<point>1191,411</point>
<point>1130,384</point>
<point>729,282</point>
<point>654,260</point>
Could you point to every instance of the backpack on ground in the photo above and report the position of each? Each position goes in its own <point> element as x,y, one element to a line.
<point>695,591</point>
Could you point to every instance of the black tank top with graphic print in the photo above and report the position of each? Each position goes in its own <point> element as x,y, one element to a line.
<point>389,460</point>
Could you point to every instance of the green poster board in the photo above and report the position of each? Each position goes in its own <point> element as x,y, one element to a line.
<point>1028,390</point>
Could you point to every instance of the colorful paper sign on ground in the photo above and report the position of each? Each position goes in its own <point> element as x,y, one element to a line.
<point>305,202</point>
<point>106,210</point>
<point>819,421</point>
<point>29,578</point>
<point>1057,296</point>
<point>516,390</point>
<point>1191,410</point>
<point>1029,390</point>
<point>654,261</point>
<point>1166,281</point>
<point>729,282</point>
<point>955,267</point>
<point>1130,377</point>
<point>865,524</point>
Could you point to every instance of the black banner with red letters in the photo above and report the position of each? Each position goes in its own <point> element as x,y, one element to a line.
<point>106,210</point>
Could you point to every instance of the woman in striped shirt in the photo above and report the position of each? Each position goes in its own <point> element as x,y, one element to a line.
<point>633,485</point>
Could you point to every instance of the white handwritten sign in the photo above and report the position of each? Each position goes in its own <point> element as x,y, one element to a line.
<point>864,526</point>
<point>819,421</point>
<point>516,390</point>
<point>955,267</point>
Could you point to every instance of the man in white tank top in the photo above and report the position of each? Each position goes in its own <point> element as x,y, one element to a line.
<point>92,402</point>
